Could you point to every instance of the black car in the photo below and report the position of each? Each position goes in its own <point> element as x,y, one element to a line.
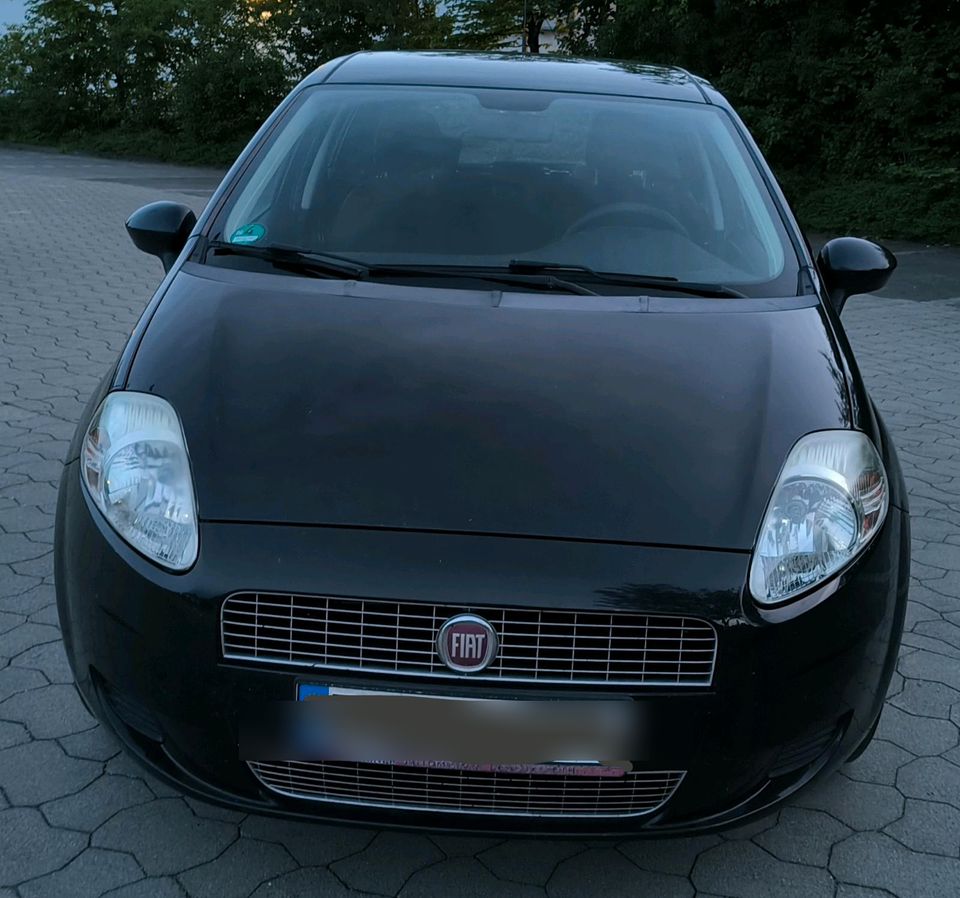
<point>491,456</point>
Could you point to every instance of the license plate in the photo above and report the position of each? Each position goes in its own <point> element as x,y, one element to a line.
<point>509,710</point>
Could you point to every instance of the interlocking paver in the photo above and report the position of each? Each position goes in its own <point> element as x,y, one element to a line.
<point>879,861</point>
<point>527,861</point>
<point>386,864</point>
<point>605,873</point>
<point>464,877</point>
<point>930,666</point>
<point>9,620</point>
<point>96,745</point>
<point>26,636</point>
<point>928,826</point>
<point>38,771</point>
<point>668,856</point>
<point>50,658</point>
<point>153,887</point>
<point>845,890</point>
<point>92,873</point>
<point>14,680</point>
<point>925,699</point>
<point>92,806</point>
<point>879,763</point>
<point>165,836</point>
<point>932,778</point>
<point>76,813</point>
<point>31,847</point>
<point>861,806</point>
<point>308,882</point>
<point>311,845</point>
<point>240,870</point>
<point>463,846</point>
<point>917,734</point>
<point>744,870</point>
<point>12,734</point>
<point>48,712</point>
<point>803,836</point>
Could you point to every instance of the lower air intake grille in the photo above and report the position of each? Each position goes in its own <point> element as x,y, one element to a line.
<point>534,795</point>
<point>542,645</point>
<point>801,752</point>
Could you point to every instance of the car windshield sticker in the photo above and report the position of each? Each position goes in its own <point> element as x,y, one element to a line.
<point>248,233</point>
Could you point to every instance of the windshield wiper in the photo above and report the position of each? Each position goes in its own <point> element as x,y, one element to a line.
<point>330,265</point>
<point>317,264</point>
<point>494,275</point>
<point>658,282</point>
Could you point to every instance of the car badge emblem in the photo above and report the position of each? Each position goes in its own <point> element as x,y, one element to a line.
<point>467,643</point>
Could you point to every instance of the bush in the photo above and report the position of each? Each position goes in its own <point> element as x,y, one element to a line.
<point>901,204</point>
<point>224,93</point>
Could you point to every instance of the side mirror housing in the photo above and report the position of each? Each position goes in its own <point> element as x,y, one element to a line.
<point>852,265</point>
<point>161,230</point>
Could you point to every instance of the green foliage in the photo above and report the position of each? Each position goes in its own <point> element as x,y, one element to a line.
<point>198,75</point>
<point>858,103</point>
<point>488,24</point>
<point>855,102</point>
<point>495,24</point>
<point>316,32</point>
<point>232,75</point>
<point>904,202</point>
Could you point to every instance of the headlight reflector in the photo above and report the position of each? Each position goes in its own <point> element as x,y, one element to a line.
<point>829,501</point>
<point>136,469</point>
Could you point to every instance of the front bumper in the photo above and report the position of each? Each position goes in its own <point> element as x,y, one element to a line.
<point>788,700</point>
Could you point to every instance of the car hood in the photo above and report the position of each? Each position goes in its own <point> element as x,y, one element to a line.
<point>377,405</point>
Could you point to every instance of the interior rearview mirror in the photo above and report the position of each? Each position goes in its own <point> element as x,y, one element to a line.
<point>161,229</point>
<point>852,265</point>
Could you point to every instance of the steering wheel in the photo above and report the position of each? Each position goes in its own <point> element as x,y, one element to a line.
<point>637,211</point>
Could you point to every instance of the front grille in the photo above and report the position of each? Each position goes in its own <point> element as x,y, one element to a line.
<point>536,795</point>
<point>541,645</point>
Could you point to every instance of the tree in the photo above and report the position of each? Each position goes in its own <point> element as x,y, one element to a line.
<point>494,24</point>
<point>233,71</point>
<point>584,23</point>
<point>318,32</point>
<point>145,40</point>
<point>68,64</point>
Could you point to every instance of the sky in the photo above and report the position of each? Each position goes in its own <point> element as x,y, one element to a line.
<point>11,12</point>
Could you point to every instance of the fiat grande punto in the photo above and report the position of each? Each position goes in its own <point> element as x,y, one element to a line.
<point>491,456</point>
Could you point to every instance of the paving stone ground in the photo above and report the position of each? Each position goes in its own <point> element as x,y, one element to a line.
<point>77,818</point>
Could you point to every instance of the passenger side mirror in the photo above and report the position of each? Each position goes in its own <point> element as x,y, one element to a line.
<point>161,230</point>
<point>850,265</point>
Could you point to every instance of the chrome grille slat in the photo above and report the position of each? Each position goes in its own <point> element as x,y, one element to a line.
<point>415,781</point>
<point>414,785</point>
<point>536,645</point>
<point>422,788</point>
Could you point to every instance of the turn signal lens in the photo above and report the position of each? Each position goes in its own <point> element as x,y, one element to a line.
<point>136,469</point>
<point>829,501</point>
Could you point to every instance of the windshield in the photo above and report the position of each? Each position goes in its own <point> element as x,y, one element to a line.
<point>480,178</point>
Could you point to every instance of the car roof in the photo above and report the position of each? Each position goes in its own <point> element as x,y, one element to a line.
<point>515,71</point>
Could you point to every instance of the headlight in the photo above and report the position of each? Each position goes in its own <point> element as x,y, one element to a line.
<point>136,469</point>
<point>830,499</point>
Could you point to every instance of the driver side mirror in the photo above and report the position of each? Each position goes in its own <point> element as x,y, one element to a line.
<point>850,265</point>
<point>161,230</point>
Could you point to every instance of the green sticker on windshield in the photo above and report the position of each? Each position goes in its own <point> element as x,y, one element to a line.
<point>248,233</point>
